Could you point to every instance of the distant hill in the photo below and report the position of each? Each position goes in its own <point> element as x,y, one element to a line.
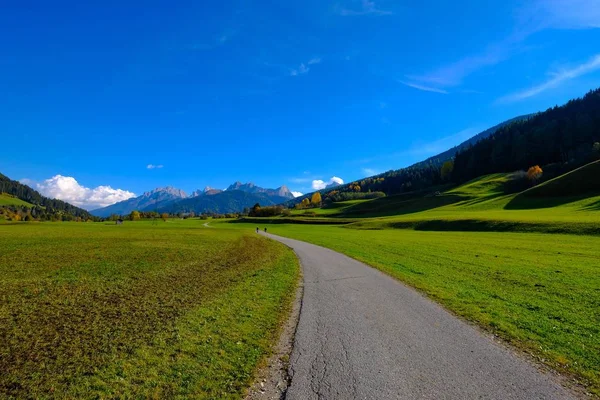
<point>18,195</point>
<point>449,154</point>
<point>229,201</point>
<point>148,201</point>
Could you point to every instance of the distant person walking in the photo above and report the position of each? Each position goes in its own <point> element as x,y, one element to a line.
<point>257,230</point>
<point>265,230</point>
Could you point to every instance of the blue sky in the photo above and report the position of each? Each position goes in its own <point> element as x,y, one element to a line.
<point>268,91</point>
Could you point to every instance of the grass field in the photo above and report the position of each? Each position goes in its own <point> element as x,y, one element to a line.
<point>137,311</point>
<point>179,310</point>
<point>540,292</point>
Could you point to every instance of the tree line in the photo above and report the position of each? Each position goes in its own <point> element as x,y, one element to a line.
<point>559,140</point>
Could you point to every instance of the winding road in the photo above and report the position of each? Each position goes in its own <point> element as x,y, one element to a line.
<point>364,335</point>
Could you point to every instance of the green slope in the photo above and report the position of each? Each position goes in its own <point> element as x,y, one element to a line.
<point>9,200</point>
<point>482,205</point>
<point>573,187</point>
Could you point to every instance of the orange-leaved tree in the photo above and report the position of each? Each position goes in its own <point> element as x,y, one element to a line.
<point>534,173</point>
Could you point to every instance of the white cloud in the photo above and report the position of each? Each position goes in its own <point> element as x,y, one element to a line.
<point>369,171</point>
<point>153,166</point>
<point>297,194</point>
<point>66,188</point>
<point>423,87</point>
<point>319,184</point>
<point>366,8</point>
<point>337,180</point>
<point>557,79</point>
<point>535,16</point>
<point>305,67</point>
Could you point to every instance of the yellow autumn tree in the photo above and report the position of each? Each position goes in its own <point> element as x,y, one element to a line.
<point>316,199</point>
<point>134,216</point>
<point>164,216</point>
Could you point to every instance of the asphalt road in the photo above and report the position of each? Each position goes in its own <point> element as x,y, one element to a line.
<point>364,335</point>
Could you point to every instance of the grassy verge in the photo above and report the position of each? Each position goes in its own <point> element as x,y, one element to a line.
<point>142,311</point>
<point>540,292</point>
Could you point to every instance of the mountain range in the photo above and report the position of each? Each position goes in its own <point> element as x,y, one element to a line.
<point>208,200</point>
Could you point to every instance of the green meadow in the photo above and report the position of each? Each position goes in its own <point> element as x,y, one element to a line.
<point>525,266</point>
<point>137,311</point>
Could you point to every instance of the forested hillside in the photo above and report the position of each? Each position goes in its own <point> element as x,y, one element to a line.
<point>450,153</point>
<point>42,207</point>
<point>559,140</point>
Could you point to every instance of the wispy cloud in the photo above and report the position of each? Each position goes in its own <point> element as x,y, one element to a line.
<point>535,16</point>
<point>454,73</point>
<point>560,14</point>
<point>556,80</point>
<point>423,87</point>
<point>305,67</point>
<point>366,7</point>
<point>154,166</point>
<point>369,171</point>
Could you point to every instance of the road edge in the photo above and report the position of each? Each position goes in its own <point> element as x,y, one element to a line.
<point>273,379</point>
